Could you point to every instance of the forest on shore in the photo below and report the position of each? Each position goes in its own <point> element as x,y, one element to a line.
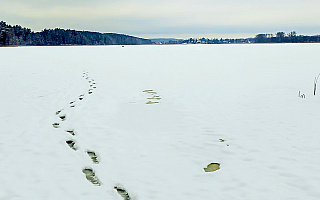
<point>17,35</point>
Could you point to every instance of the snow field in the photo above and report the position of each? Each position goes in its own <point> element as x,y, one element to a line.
<point>236,105</point>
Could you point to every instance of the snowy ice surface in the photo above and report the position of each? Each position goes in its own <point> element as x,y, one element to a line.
<point>236,105</point>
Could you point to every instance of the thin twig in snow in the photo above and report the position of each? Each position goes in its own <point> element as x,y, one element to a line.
<point>315,84</point>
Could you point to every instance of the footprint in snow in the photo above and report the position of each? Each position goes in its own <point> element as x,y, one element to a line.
<point>212,167</point>
<point>93,156</point>
<point>124,194</point>
<point>56,125</point>
<point>154,99</point>
<point>152,102</point>
<point>72,144</point>
<point>58,112</point>
<point>71,131</point>
<point>63,117</point>
<point>91,176</point>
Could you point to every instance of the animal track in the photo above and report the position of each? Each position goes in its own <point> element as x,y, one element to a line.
<point>91,176</point>
<point>124,194</point>
<point>93,156</point>
<point>72,144</point>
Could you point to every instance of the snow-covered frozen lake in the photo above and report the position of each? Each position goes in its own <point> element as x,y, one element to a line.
<point>156,117</point>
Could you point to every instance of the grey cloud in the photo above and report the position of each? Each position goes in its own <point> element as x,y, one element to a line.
<point>165,17</point>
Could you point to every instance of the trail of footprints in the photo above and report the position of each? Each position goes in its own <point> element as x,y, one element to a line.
<point>87,171</point>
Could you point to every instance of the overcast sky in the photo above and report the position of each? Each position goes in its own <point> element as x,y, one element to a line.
<point>167,18</point>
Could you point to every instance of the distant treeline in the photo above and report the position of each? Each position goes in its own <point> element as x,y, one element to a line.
<point>211,41</point>
<point>282,37</point>
<point>17,35</point>
<point>279,37</point>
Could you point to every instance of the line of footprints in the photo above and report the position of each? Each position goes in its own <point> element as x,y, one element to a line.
<point>87,171</point>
